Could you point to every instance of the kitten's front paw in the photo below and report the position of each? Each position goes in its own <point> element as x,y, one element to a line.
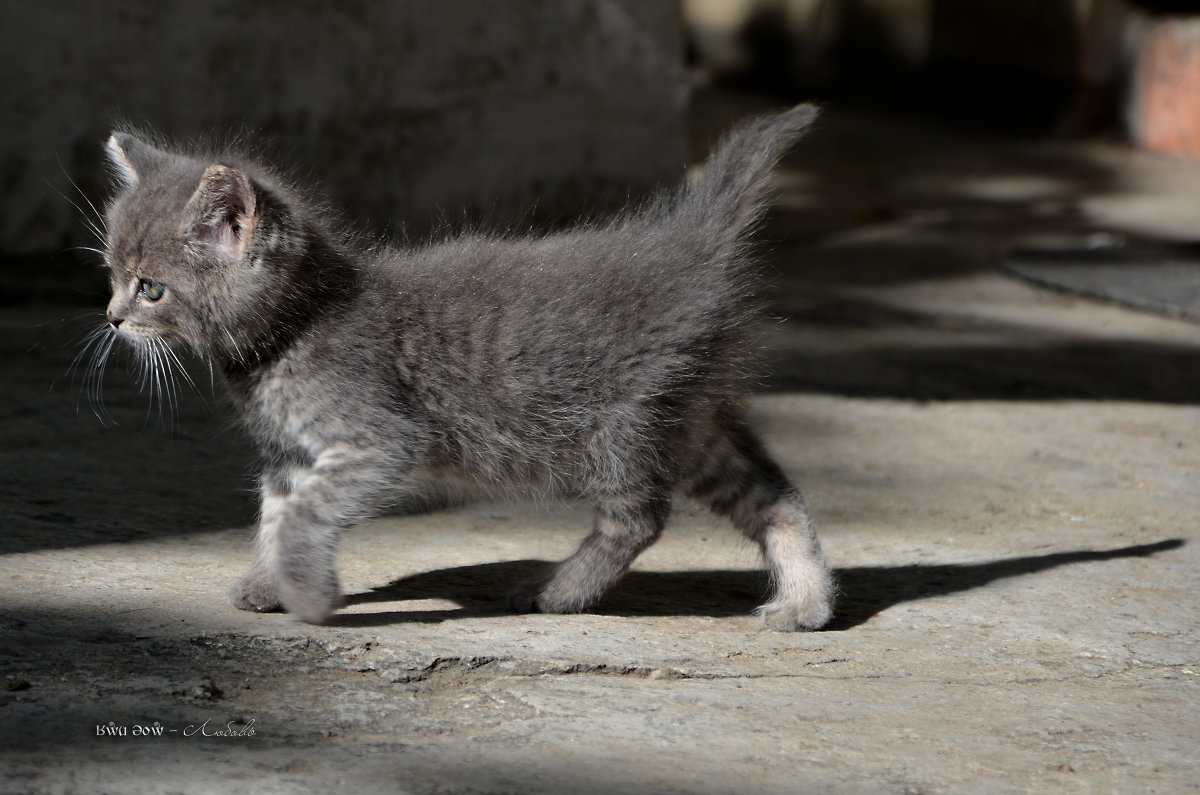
<point>796,615</point>
<point>255,592</point>
<point>310,601</point>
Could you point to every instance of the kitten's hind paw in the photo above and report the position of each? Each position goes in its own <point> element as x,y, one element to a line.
<point>255,592</point>
<point>541,596</point>
<point>525,598</point>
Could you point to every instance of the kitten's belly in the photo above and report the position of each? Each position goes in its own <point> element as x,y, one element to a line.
<point>497,479</point>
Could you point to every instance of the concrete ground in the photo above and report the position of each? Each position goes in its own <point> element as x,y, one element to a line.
<point>1004,477</point>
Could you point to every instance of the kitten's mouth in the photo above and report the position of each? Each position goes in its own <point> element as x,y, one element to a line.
<point>138,334</point>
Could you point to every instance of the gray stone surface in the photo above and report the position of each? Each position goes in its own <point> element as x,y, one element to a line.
<point>1152,276</point>
<point>407,112</point>
<point>1004,477</point>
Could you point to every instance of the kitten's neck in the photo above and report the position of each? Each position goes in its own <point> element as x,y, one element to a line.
<point>312,281</point>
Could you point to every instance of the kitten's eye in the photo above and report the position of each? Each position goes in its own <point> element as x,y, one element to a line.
<point>151,289</point>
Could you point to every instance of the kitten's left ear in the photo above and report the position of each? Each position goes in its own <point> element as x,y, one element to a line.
<point>131,157</point>
<point>222,213</point>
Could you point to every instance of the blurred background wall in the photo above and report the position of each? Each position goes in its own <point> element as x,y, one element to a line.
<point>406,110</point>
<point>1014,66</point>
<point>955,53</point>
<point>411,111</point>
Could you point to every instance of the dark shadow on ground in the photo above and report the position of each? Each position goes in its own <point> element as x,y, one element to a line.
<point>865,591</point>
<point>1070,370</point>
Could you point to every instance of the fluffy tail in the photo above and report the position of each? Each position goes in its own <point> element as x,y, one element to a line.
<point>728,197</point>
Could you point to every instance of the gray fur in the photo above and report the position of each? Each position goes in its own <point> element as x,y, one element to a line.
<point>603,362</point>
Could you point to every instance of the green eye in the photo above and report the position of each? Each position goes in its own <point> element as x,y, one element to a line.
<point>151,289</point>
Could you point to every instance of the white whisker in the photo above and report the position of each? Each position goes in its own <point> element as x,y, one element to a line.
<point>98,226</point>
<point>95,228</point>
<point>233,342</point>
<point>96,251</point>
<point>94,376</point>
<point>157,393</point>
<point>169,383</point>
<point>103,224</point>
<point>183,370</point>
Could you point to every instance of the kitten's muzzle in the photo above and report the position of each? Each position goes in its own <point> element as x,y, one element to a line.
<point>114,321</point>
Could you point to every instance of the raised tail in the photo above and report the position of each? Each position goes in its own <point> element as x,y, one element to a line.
<point>728,197</point>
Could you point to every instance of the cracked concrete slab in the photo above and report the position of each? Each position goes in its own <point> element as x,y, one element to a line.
<point>1004,478</point>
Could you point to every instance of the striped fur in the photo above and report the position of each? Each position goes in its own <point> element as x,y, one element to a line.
<point>604,361</point>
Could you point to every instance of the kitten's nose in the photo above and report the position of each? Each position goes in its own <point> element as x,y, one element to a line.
<point>115,321</point>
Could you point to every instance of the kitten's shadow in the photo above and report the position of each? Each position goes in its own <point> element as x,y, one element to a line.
<point>865,591</point>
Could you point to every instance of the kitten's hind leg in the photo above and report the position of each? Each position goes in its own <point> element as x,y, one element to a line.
<point>624,526</point>
<point>736,477</point>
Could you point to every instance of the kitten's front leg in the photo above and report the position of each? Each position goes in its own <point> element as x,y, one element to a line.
<point>343,485</point>
<point>255,591</point>
<point>301,523</point>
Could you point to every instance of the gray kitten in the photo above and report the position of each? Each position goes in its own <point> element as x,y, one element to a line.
<point>603,361</point>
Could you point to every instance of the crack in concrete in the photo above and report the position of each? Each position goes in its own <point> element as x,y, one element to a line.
<point>464,670</point>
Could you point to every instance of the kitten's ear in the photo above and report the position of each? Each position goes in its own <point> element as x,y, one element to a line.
<point>222,213</point>
<point>131,158</point>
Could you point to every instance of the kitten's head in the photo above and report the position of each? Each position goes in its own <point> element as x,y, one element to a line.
<point>208,251</point>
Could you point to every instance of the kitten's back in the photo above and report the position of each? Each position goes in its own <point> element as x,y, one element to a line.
<point>547,346</point>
